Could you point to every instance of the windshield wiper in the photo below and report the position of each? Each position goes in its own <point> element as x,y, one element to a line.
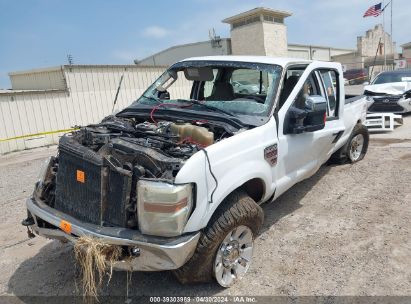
<point>204,105</point>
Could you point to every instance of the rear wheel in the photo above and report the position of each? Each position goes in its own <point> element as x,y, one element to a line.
<point>225,248</point>
<point>357,145</point>
<point>355,148</point>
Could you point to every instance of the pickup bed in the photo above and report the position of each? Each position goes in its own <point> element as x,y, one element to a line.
<point>177,178</point>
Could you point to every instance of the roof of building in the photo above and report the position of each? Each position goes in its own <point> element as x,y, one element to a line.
<point>406,45</point>
<point>89,66</point>
<point>176,47</point>
<point>282,61</point>
<point>257,11</point>
<point>13,92</point>
<point>319,47</point>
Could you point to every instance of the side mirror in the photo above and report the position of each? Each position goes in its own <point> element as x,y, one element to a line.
<point>366,83</point>
<point>311,119</point>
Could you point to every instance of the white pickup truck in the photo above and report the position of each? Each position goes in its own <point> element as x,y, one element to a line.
<point>177,178</point>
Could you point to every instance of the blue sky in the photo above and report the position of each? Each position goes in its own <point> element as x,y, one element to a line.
<point>40,33</point>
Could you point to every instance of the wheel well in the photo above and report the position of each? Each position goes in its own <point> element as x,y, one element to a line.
<point>255,188</point>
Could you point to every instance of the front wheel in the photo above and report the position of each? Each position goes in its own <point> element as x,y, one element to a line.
<point>225,248</point>
<point>234,256</point>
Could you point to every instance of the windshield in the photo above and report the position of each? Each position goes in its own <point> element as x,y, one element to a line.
<point>233,87</point>
<point>390,77</point>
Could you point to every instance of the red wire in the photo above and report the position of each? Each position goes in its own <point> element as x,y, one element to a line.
<point>166,104</point>
<point>201,121</point>
<point>190,141</point>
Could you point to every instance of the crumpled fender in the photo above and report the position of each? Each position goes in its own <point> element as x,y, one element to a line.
<point>233,161</point>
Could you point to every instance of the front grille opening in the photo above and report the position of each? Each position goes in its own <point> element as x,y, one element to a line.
<point>43,224</point>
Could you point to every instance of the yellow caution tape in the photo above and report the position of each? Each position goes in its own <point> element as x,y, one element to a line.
<point>37,134</point>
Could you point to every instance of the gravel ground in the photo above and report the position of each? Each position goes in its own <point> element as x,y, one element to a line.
<point>344,231</point>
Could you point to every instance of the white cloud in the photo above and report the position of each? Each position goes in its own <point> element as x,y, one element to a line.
<point>155,32</point>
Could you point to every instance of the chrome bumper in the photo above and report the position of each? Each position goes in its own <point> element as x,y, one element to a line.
<point>156,253</point>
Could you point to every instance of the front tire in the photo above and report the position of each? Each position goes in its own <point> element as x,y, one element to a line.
<point>224,250</point>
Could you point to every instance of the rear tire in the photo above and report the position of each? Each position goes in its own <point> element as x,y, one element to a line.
<point>355,148</point>
<point>238,213</point>
<point>357,145</point>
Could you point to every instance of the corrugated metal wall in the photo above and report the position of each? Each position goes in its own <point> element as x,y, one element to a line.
<point>88,98</point>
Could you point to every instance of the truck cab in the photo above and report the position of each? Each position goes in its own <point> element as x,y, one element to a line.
<point>179,176</point>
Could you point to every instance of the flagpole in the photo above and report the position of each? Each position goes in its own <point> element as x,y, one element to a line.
<point>383,30</point>
<point>392,38</point>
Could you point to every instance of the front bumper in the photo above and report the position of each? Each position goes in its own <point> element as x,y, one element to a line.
<point>390,105</point>
<point>156,253</point>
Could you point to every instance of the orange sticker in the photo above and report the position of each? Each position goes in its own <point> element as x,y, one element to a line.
<point>65,226</point>
<point>81,176</point>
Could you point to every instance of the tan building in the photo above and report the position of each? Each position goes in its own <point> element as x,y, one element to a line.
<point>375,51</point>
<point>406,51</point>
<point>260,31</point>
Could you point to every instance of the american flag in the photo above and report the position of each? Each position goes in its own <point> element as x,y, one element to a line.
<point>374,10</point>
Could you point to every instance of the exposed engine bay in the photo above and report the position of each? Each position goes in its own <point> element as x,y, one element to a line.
<point>158,149</point>
<point>94,177</point>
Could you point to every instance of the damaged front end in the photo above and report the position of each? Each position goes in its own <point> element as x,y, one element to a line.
<point>115,181</point>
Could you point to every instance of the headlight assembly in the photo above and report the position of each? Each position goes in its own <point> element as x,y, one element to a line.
<point>163,209</point>
<point>44,170</point>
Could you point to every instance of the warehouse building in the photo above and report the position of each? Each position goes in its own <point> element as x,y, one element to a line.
<point>260,31</point>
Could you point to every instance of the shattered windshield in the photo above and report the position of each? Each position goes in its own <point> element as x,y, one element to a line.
<point>230,88</point>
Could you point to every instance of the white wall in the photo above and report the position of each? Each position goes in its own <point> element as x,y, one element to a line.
<point>88,99</point>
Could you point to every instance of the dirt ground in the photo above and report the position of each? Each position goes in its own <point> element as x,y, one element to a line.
<point>344,231</point>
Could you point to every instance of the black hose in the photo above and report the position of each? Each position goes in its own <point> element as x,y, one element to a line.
<point>212,174</point>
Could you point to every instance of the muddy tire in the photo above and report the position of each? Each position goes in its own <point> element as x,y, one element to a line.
<point>238,212</point>
<point>355,148</point>
<point>357,145</point>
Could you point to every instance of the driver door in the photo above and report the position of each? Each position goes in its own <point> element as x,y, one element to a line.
<point>302,154</point>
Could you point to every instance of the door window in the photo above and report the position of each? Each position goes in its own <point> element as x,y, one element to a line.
<point>329,79</point>
<point>309,88</point>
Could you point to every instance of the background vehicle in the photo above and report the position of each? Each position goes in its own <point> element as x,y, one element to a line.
<point>356,76</point>
<point>392,77</point>
<point>178,177</point>
<point>245,87</point>
<point>390,92</point>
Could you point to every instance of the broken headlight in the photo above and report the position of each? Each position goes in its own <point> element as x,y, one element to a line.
<point>163,208</point>
<point>42,175</point>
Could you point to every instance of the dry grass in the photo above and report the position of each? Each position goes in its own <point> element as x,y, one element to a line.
<point>96,260</point>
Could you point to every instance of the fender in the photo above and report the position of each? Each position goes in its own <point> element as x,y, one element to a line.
<point>233,162</point>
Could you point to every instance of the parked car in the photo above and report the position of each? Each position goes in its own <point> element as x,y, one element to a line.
<point>246,87</point>
<point>390,92</point>
<point>178,182</point>
<point>356,76</point>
